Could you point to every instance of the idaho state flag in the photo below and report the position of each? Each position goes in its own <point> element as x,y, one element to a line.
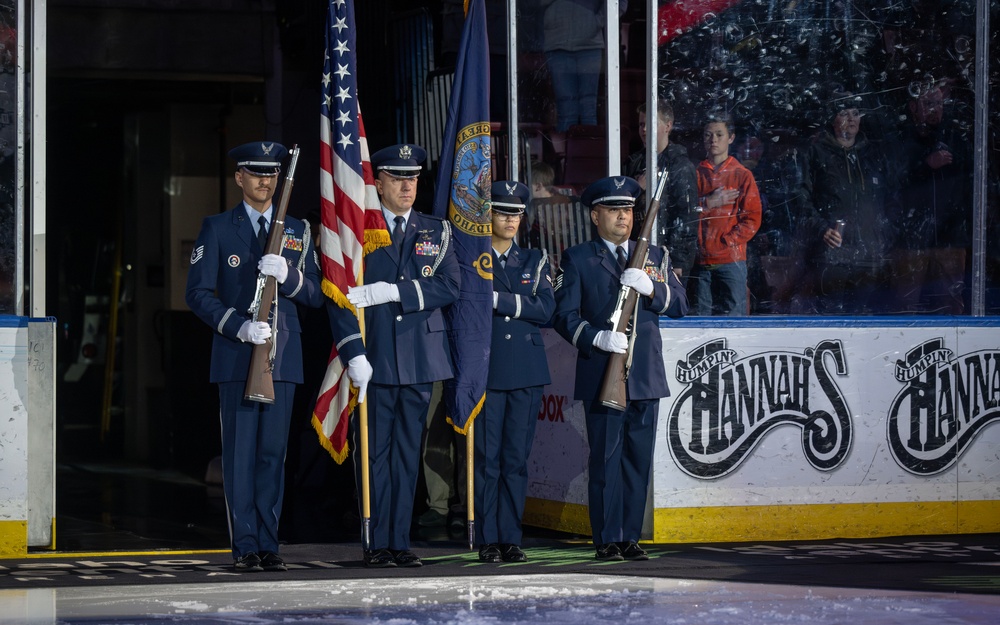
<point>463,196</point>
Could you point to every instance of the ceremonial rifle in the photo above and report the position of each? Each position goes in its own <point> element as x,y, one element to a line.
<point>260,380</point>
<point>613,387</point>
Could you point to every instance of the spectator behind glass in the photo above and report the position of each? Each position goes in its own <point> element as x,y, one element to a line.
<point>573,33</point>
<point>844,233</point>
<point>676,223</point>
<point>730,216</point>
<point>935,220</point>
<point>543,177</point>
<point>543,194</point>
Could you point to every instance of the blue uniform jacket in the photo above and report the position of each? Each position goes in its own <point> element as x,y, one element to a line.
<point>406,341</point>
<point>586,292</point>
<point>525,301</point>
<point>222,281</point>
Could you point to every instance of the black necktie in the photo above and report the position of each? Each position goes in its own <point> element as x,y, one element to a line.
<point>622,261</point>
<point>397,233</point>
<point>262,232</point>
<point>503,260</point>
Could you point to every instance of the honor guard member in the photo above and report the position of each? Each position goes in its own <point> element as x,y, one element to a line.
<point>621,443</point>
<point>404,351</point>
<point>222,284</point>
<point>523,300</point>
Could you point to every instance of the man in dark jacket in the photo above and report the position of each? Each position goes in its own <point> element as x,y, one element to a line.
<point>677,221</point>
<point>222,282</point>
<point>845,232</point>
<point>621,443</point>
<point>934,227</point>
<point>405,349</point>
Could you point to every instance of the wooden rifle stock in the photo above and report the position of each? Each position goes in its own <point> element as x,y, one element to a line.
<point>260,380</point>
<point>613,386</point>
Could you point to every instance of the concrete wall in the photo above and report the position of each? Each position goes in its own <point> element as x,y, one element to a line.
<point>27,461</point>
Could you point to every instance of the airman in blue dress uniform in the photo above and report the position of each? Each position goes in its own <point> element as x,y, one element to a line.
<point>523,300</point>
<point>405,349</point>
<point>621,443</point>
<point>221,285</point>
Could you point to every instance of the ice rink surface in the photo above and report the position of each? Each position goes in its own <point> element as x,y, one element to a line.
<point>128,556</point>
<point>575,599</point>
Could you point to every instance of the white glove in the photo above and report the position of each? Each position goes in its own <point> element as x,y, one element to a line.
<point>373,294</point>
<point>359,370</point>
<point>638,280</point>
<point>256,332</point>
<point>273,265</point>
<point>611,341</point>
<point>496,298</point>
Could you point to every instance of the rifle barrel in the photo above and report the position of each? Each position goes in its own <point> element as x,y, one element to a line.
<point>260,380</point>
<point>613,392</point>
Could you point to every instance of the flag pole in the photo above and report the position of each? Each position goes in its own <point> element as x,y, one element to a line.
<point>366,499</point>
<point>351,217</point>
<point>366,502</point>
<point>470,484</point>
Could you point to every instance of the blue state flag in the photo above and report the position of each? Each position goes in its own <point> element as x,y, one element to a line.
<point>463,196</point>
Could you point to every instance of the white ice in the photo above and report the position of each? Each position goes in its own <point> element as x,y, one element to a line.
<point>506,600</point>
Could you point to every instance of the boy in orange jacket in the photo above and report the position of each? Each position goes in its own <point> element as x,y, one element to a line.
<point>730,216</point>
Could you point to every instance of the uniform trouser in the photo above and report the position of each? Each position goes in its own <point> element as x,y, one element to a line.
<point>254,442</point>
<point>621,459</point>
<point>443,457</point>
<point>396,416</point>
<point>504,433</point>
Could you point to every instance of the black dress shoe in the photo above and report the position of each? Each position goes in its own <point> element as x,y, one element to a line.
<point>406,557</point>
<point>379,558</point>
<point>490,553</point>
<point>609,552</point>
<point>632,551</point>
<point>271,561</point>
<point>512,553</point>
<point>249,562</point>
<point>456,522</point>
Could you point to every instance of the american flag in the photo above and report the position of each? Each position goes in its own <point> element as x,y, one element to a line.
<point>352,219</point>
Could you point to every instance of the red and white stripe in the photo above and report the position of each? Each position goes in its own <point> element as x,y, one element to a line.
<point>350,212</point>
